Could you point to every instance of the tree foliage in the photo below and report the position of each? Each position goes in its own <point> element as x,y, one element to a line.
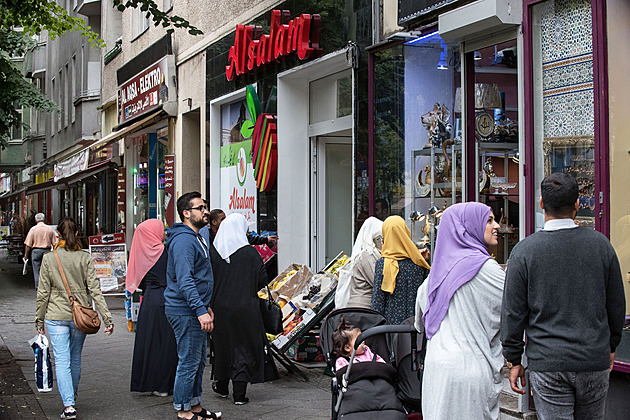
<point>33,17</point>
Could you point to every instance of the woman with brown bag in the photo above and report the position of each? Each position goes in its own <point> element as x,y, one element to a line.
<point>54,306</point>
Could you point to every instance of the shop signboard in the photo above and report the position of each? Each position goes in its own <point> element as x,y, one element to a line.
<point>109,255</point>
<point>409,10</point>
<point>121,199</point>
<point>72,165</point>
<point>238,186</point>
<point>144,92</point>
<point>169,189</point>
<point>252,49</point>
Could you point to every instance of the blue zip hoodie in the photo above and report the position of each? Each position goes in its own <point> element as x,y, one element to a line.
<point>188,274</point>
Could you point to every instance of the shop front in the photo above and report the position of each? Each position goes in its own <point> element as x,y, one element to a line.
<point>147,103</point>
<point>287,144</point>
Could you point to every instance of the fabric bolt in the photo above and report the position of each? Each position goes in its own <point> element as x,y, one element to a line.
<point>570,395</point>
<point>52,298</point>
<point>37,255</point>
<point>462,368</point>
<point>192,353</point>
<point>154,360</point>
<point>146,249</point>
<point>67,343</point>
<point>397,245</point>
<point>239,335</point>
<point>231,236</point>
<point>460,251</point>
<point>400,305</point>
<point>366,356</point>
<point>362,262</point>
<point>40,236</point>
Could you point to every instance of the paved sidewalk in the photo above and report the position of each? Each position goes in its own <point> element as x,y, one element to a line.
<point>104,388</point>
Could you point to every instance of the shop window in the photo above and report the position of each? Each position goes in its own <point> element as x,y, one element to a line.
<point>495,121</point>
<point>148,176</point>
<point>417,135</point>
<point>562,44</point>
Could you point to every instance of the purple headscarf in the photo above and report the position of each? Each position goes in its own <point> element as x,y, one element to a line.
<point>460,251</point>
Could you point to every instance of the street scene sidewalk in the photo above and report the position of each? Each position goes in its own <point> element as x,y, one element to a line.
<point>106,371</point>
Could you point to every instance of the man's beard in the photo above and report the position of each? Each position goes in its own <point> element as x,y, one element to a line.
<point>199,223</point>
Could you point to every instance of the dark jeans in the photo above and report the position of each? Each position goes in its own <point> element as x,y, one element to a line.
<point>191,350</point>
<point>36,257</point>
<point>570,395</point>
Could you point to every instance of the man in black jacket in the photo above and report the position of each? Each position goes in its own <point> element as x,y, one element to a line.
<point>564,290</point>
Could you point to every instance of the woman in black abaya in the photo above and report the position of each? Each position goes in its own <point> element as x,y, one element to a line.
<point>239,335</point>
<point>155,350</point>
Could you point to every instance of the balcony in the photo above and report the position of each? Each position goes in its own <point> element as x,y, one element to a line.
<point>89,7</point>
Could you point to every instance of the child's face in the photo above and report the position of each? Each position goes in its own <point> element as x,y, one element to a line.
<point>350,346</point>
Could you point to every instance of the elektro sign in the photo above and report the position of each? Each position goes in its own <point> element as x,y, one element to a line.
<point>252,49</point>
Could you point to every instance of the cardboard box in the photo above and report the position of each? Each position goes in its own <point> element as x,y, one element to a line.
<point>306,349</point>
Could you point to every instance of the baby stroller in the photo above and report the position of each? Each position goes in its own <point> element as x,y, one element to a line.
<point>368,390</point>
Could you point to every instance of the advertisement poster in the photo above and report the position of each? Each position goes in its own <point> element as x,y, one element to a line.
<point>238,186</point>
<point>169,189</point>
<point>109,255</point>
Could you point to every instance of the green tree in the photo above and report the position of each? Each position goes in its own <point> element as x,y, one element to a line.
<point>33,17</point>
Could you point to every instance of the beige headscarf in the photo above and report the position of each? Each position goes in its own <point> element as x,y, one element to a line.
<point>397,245</point>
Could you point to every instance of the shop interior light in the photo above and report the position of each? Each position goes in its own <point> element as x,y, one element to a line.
<point>477,55</point>
<point>422,38</point>
<point>442,65</point>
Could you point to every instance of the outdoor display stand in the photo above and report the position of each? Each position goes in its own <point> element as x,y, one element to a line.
<point>109,254</point>
<point>305,300</point>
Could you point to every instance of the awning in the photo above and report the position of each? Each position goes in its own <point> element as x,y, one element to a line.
<point>44,186</point>
<point>139,125</point>
<point>13,193</point>
<point>64,183</point>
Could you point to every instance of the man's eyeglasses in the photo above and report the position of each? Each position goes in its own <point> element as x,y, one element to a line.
<point>201,208</point>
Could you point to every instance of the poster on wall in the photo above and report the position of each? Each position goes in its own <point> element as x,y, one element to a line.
<point>238,186</point>
<point>121,199</point>
<point>169,189</point>
<point>109,255</point>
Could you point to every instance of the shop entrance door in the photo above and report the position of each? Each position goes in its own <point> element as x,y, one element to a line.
<point>332,198</point>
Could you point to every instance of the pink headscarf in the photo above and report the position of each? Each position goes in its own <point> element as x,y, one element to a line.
<point>146,249</point>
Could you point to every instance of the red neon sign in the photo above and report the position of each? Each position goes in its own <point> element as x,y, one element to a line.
<point>252,49</point>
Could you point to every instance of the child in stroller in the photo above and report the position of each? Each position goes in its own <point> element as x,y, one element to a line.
<point>343,340</point>
<point>367,390</point>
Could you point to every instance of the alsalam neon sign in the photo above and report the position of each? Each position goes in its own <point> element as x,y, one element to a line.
<point>262,129</point>
<point>252,49</point>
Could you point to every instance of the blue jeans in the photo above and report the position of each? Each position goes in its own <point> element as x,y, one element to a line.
<point>36,258</point>
<point>191,350</point>
<point>570,395</point>
<point>67,343</point>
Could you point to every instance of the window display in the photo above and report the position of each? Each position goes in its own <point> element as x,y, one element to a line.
<point>563,99</point>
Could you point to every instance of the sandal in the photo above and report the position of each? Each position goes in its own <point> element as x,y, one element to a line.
<point>205,414</point>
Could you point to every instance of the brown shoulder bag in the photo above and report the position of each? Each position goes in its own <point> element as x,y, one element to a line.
<point>85,319</point>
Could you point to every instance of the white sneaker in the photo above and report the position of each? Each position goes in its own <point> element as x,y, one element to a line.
<point>70,413</point>
<point>160,394</point>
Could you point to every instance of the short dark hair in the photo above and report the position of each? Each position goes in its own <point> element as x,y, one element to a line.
<point>214,214</point>
<point>184,202</point>
<point>559,193</point>
<point>383,202</point>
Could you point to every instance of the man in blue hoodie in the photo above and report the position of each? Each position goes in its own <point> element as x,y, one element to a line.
<point>187,303</point>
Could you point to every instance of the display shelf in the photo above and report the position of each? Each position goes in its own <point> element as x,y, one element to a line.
<point>497,145</point>
<point>436,150</point>
<point>496,70</point>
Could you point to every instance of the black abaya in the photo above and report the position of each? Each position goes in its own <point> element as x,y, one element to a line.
<point>155,349</point>
<point>239,335</point>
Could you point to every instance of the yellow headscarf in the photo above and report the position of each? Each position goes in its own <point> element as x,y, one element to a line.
<point>397,245</point>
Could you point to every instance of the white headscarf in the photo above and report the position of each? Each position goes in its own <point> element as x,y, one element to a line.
<point>231,236</point>
<point>372,227</point>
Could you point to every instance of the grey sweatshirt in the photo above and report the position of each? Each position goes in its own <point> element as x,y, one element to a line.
<point>564,289</point>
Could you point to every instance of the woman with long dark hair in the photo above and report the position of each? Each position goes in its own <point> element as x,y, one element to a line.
<point>53,307</point>
<point>155,349</point>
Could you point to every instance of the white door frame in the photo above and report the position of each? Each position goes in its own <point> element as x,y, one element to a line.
<point>294,154</point>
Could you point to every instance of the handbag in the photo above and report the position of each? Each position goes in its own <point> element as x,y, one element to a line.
<point>271,314</point>
<point>85,318</point>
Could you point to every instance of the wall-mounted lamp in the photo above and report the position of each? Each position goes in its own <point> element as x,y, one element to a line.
<point>188,102</point>
<point>442,65</point>
<point>477,55</point>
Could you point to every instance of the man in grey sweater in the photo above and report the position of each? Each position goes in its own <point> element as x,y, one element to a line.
<point>564,290</point>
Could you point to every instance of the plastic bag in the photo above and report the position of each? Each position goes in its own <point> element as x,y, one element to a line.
<point>43,366</point>
<point>342,295</point>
